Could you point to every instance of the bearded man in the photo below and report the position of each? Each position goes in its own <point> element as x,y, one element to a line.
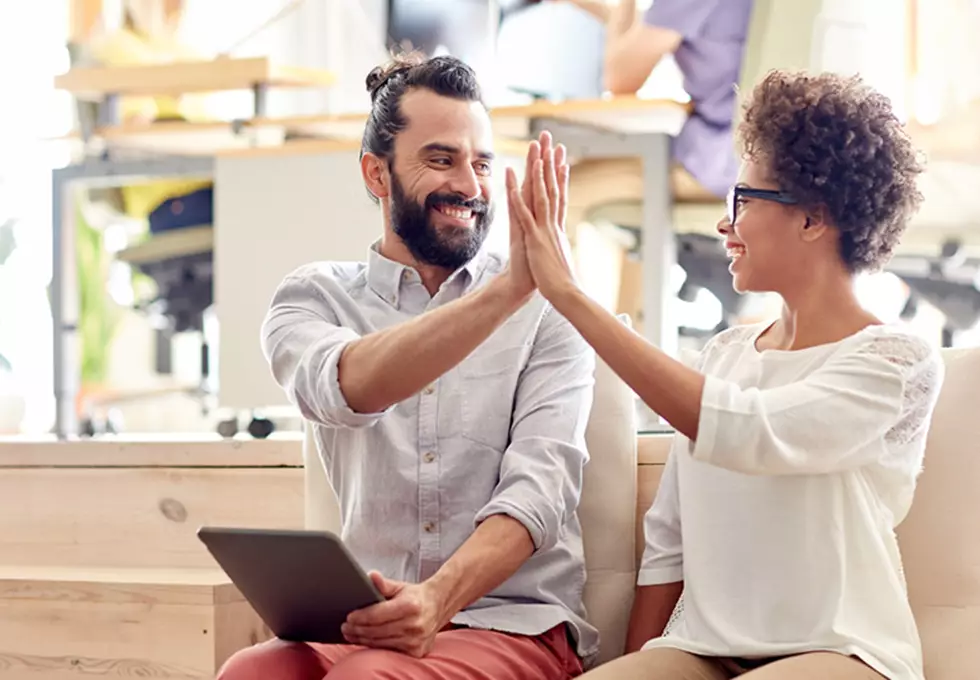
<point>449,402</point>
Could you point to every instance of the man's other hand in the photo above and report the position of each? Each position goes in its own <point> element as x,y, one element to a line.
<point>407,621</point>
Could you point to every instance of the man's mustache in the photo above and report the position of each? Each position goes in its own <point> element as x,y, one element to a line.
<point>477,205</point>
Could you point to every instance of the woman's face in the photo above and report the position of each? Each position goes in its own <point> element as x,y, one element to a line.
<point>764,243</point>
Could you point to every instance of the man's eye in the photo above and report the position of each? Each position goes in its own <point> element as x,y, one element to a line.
<point>442,161</point>
<point>483,167</point>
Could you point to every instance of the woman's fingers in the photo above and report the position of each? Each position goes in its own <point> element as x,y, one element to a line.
<point>550,180</point>
<point>542,209</point>
<point>563,173</point>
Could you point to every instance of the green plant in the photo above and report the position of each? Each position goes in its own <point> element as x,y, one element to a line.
<point>97,315</point>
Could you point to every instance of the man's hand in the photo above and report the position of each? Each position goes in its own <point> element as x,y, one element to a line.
<point>519,270</point>
<point>407,621</point>
<point>542,219</point>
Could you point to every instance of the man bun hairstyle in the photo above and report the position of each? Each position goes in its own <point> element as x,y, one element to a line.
<point>387,84</point>
<point>834,143</point>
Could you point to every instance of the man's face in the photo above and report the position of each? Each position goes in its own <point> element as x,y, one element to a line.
<point>441,205</point>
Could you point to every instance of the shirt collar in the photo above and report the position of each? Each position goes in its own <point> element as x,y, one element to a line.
<point>386,277</point>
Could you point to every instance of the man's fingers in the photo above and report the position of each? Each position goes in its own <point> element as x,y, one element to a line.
<point>384,612</point>
<point>393,629</point>
<point>400,643</point>
<point>533,154</point>
<point>385,587</point>
<point>519,212</point>
<point>513,197</point>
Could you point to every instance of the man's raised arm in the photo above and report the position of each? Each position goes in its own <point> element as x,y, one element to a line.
<point>389,366</point>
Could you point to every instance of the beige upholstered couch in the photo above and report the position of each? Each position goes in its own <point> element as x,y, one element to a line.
<point>940,539</point>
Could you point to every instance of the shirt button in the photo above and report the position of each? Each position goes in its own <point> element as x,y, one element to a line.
<point>428,527</point>
<point>429,390</point>
<point>429,457</point>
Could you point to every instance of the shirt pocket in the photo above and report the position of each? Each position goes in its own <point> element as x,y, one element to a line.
<point>489,388</point>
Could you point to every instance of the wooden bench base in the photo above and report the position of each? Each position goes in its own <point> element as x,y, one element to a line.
<point>63,623</point>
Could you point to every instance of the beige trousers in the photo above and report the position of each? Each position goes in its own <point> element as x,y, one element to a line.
<point>673,664</point>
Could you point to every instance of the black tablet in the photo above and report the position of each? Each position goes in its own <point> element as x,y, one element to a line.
<point>302,584</point>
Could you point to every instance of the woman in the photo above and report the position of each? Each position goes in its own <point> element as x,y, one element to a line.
<point>799,440</point>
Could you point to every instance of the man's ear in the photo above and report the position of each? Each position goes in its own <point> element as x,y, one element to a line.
<point>374,171</point>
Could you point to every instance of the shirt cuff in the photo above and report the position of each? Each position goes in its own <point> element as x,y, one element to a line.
<point>704,445</point>
<point>656,576</point>
<point>506,507</point>
<point>341,412</point>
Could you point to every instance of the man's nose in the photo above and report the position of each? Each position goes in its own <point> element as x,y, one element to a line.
<point>465,183</point>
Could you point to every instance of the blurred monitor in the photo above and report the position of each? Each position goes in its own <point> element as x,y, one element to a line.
<point>462,28</point>
<point>552,50</point>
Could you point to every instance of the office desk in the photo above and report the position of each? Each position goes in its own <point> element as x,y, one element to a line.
<point>287,201</point>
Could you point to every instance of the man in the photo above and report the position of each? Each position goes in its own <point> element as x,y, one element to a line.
<point>707,39</point>
<point>450,405</point>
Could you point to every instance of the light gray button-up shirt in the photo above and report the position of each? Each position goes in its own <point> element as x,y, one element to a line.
<point>501,433</point>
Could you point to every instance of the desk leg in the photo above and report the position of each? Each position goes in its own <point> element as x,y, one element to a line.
<point>658,249</point>
<point>109,110</point>
<point>260,99</point>
<point>658,253</point>
<point>64,306</point>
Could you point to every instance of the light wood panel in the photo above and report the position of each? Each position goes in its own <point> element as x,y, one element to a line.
<point>162,624</point>
<point>136,517</point>
<point>153,451</point>
<point>176,78</point>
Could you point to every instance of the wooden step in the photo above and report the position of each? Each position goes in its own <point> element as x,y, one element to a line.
<point>66,623</point>
<point>138,503</point>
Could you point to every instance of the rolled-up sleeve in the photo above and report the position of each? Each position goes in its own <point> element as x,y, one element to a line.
<point>839,417</point>
<point>303,343</point>
<point>541,472</point>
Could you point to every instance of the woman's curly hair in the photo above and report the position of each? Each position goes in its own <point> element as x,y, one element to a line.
<point>833,142</point>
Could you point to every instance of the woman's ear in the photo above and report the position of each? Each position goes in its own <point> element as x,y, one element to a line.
<point>374,171</point>
<point>814,224</point>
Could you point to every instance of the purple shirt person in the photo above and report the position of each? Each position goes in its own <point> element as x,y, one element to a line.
<point>707,39</point>
<point>710,58</point>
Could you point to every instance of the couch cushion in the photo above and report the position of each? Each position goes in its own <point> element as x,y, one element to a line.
<point>940,537</point>
<point>608,509</point>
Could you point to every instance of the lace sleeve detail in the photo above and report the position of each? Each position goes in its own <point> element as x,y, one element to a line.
<point>923,370</point>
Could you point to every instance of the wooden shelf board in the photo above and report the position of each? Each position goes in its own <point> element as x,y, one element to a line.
<point>197,450</point>
<point>177,78</point>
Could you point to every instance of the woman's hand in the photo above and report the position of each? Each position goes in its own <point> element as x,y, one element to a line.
<point>541,213</point>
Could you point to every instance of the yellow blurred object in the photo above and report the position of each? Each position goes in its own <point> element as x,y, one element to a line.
<point>126,47</point>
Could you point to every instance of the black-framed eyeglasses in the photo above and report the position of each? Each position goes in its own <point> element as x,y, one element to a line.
<point>737,192</point>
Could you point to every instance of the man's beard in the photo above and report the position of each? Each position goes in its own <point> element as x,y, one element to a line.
<point>448,247</point>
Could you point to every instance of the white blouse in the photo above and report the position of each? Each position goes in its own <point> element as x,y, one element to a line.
<point>780,517</point>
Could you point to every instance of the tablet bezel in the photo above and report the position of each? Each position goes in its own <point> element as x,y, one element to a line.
<point>301,583</point>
